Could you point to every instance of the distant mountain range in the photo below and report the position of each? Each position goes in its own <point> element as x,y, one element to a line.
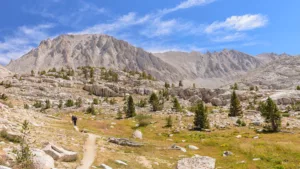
<point>206,70</point>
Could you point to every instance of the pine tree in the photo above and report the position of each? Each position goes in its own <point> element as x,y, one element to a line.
<point>235,106</point>
<point>180,83</point>
<point>167,85</point>
<point>60,105</point>
<point>24,156</point>
<point>235,87</point>
<point>201,119</point>
<point>130,112</point>
<point>78,102</point>
<point>48,104</point>
<point>92,71</point>
<point>176,105</point>
<point>156,104</point>
<point>169,121</point>
<point>270,111</point>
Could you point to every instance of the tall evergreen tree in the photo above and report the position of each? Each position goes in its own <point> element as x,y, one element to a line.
<point>130,111</point>
<point>154,101</point>
<point>270,111</point>
<point>176,105</point>
<point>201,119</point>
<point>235,106</point>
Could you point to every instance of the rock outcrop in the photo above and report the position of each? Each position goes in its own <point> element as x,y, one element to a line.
<point>41,160</point>
<point>200,162</point>
<point>60,154</point>
<point>124,142</point>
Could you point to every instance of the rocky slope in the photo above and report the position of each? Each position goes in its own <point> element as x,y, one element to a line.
<point>92,50</point>
<point>4,72</point>
<point>282,73</point>
<point>211,69</point>
<point>269,57</point>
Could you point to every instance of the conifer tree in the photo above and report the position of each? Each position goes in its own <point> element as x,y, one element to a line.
<point>130,112</point>
<point>167,85</point>
<point>169,121</point>
<point>270,111</point>
<point>201,120</point>
<point>176,105</point>
<point>235,106</point>
<point>180,83</point>
<point>154,101</point>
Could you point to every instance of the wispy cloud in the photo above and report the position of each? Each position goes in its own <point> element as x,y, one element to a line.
<point>239,23</point>
<point>186,4</point>
<point>24,39</point>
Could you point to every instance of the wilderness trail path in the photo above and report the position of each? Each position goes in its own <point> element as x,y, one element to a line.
<point>89,152</point>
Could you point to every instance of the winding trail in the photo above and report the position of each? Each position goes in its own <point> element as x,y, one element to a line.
<point>89,152</point>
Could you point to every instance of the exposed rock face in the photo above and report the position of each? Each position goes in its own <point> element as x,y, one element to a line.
<point>282,73</point>
<point>4,72</point>
<point>60,154</point>
<point>211,67</point>
<point>201,162</point>
<point>100,90</point>
<point>92,50</point>
<point>269,57</point>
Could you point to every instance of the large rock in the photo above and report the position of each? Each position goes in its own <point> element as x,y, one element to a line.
<point>124,142</point>
<point>41,160</point>
<point>217,102</point>
<point>137,134</point>
<point>60,154</point>
<point>102,91</point>
<point>201,162</point>
<point>10,135</point>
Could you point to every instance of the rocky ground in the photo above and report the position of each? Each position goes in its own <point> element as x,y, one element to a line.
<point>103,141</point>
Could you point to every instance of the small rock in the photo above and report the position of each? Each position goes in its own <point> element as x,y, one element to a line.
<point>105,166</point>
<point>238,136</point>
<point>227,153</point>
<point>256,159</point>
<point>137,134</point>
<point>121,162</point>
<point>193,147</point>
<point>201,162</point>
<point>256,137</point>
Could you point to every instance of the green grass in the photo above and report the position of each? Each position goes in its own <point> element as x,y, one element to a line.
<point>278,150</point>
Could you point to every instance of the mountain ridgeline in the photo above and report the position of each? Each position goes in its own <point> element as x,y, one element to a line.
<point>209,70</point>
<point>92,50</point>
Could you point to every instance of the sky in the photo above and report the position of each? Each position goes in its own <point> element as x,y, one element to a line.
<point>250,26</point>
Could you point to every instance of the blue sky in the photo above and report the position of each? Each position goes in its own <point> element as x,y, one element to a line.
<point>251,26</point>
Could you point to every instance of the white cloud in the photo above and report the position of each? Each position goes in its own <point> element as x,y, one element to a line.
<point>238,23</point>
<point>23,40</point>
<point>120,23</point>
<point>186,4</point>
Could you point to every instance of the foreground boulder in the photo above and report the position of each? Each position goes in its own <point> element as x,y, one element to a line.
<point>200,162</point>
<point>60,154</point>
<point>124,142</point>
<point>41,160</point>
<point>137,134</point>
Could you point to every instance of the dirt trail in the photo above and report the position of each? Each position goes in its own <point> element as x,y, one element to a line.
<point>89,152</point>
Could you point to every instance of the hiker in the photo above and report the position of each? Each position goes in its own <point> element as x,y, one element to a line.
<point>74,119</point>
